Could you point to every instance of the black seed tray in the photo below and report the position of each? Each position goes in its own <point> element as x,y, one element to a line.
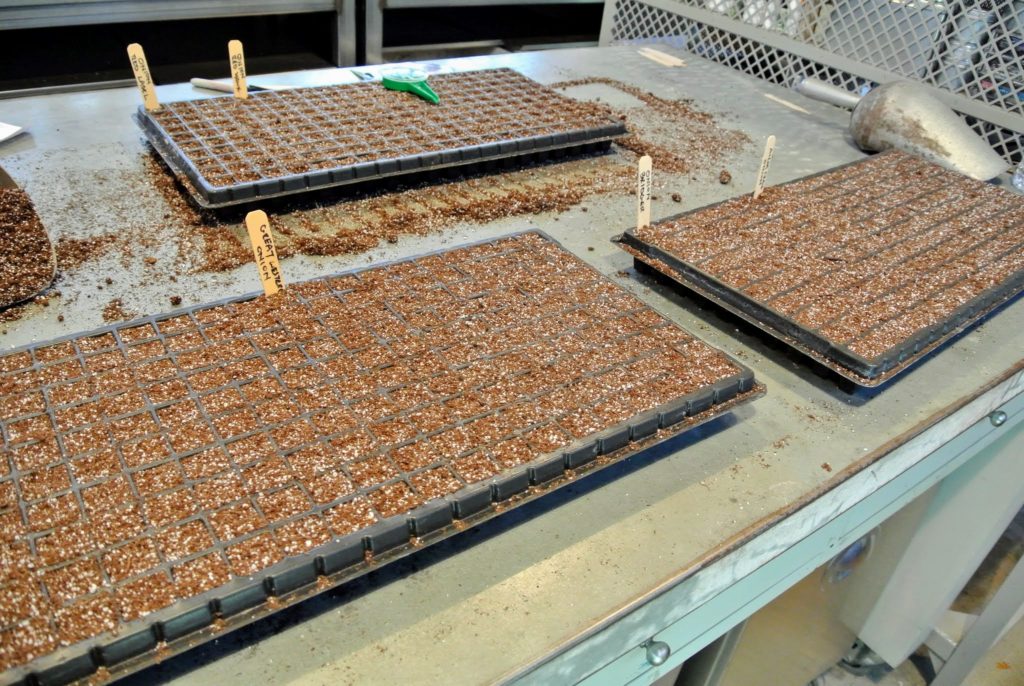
<point>863,371</point>
<point>236,152</point>
<point>243,599</point>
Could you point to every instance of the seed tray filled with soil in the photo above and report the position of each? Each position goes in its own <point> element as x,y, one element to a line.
<point>866,268</point>
<point>275,143</point>
<point>168,478</point>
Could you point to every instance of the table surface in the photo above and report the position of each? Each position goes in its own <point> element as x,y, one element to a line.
<point>502,596</point>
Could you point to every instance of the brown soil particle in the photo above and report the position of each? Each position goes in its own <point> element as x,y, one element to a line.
<point>859,256</point>
<point>74,252</point>
<point>724,177</point>
<point>676,197</point>
<point>361,223</point>
<point>26,256</point>
<point>115,311</point>
<point>679,137</point>
<point>342,402</point>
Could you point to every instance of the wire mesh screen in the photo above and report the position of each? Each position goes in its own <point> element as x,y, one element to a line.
<point>972,50</point>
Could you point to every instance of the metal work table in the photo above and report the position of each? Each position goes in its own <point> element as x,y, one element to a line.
<point>680,543</point>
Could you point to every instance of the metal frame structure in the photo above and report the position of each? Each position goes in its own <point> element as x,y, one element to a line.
<point>374,24</point>
<point>965,57</point>
<point>685,619</point>
<point>32,14</point>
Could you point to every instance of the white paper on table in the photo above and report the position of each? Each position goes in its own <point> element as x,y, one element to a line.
<point>9,131</point>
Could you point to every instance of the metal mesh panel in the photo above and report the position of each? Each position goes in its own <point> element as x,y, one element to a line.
<point>974,51</point>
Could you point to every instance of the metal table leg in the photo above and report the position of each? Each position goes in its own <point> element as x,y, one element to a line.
<point>345,33</point>
<point>984,633</point>
<point>374,31</point>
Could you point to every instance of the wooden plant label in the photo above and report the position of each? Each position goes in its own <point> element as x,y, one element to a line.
<point>258,226</point>
<point>237,58</point>
<point>662,58</point>
<point>143,79</point>
<point>766,161</point>
<point>643,192</point>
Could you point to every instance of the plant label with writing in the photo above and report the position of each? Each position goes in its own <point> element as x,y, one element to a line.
<point>263,250</point>
<point>643,192</point>
<point>766,161</point>
<point>143,79</point>
<point>237,58</point>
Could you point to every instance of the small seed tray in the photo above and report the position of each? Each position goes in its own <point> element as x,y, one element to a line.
<point>170,478</point>
<point>866,268</point>
<point>276,143</point>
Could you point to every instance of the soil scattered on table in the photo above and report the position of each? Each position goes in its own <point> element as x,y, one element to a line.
<point>679,137</point>
<point>26,256</point>
<point>72,253</point>
<point>360,224</point>
<point>115,311</point>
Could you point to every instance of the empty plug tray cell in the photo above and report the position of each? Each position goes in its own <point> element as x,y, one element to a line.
<point>469,501</point>
<point>251,154</point>
<point>646,426</point>
<point>856,267</point>
<point>294,578</point>
<point>280,440</point>
<point>242,600</point>
<point>615,439</point>
<point>128,647</point>
<point>68,672</point>
<point>546,470</point>
<point>504,487</point>
<point>385,535</point>
<point>342,554</point>
<point>186,623</point>
<point>675,412</point>
<point>701,401</point>
<point>577,457</point>
<point>430,517</point>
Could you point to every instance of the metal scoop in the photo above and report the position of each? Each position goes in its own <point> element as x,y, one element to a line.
<point>33,272</point>
<point>905,115</point>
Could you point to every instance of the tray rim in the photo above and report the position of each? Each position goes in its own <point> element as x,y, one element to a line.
<point>214,197</point>
<point>867,372</point>
<point>258,592</point>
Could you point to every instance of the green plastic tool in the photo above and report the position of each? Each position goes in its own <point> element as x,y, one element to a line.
<point>411,81</point>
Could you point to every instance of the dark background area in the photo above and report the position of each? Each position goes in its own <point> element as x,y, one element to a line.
<point>178,50</point>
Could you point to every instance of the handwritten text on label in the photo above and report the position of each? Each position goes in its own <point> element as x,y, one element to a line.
<point>643,192</point>
<point>263,249</point>
<point>237,59</point>
<point>143,79</point>
<point>766,161</point>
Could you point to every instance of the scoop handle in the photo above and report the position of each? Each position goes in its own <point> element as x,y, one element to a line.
<point>826,92</point>
<point>210,84</point>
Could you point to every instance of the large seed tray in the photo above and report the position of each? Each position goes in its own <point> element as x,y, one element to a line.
<point>275,143</point>
<point>865,268</point>
<point>170,478</point>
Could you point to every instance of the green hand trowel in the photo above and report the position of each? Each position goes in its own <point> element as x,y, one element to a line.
<point>411,81</point>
